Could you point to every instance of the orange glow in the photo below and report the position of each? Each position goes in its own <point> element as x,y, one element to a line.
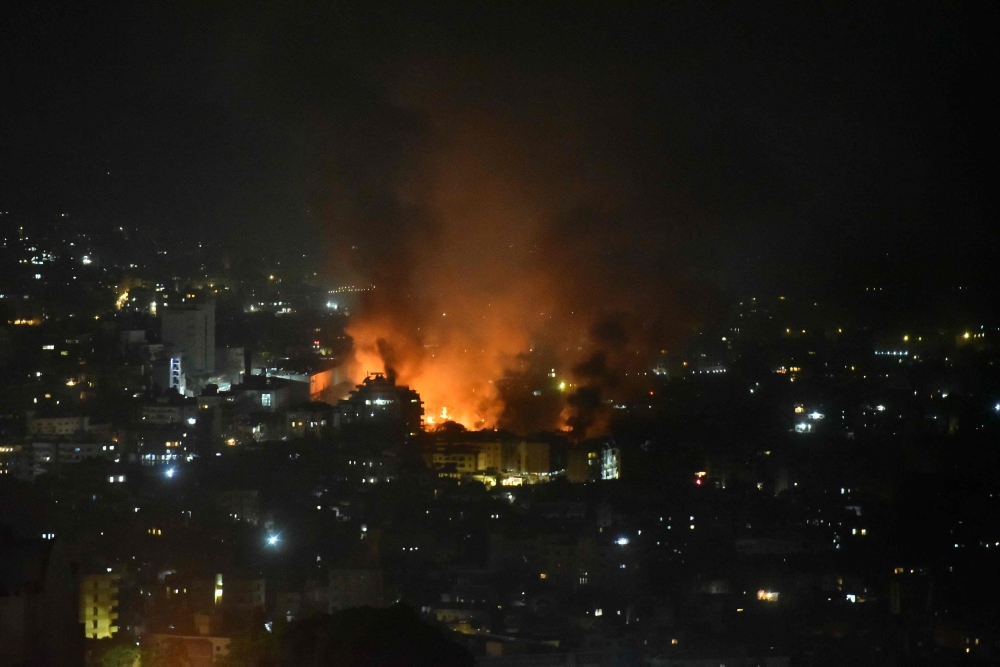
<point>452,365</point>
<point>504,263</point>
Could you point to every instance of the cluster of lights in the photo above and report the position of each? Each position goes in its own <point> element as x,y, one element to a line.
<point>349,288</point>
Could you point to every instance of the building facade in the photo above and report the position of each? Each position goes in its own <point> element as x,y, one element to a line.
<point>98,605</point>
<point>191,330</point>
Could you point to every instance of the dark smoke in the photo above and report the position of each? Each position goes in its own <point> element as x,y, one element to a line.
<point>585,403</point>
<point>519,284</point>
<point>388,355</point>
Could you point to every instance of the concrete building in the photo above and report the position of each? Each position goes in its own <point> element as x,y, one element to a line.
<point>580,465</point>
<point>527,457</point>
<point>610,461</point>
<point>356,588</point>
<point>39,594</point>
<point>380,399</point>
<point>258,393</point>
<point>98,602</point>
<point>466,457</point>
<point>489,456</point>
<point>455,461</point>
<point>166,411</point>
<point>244,597</point>
<point>57,425</point>
<point>167,371</point>
<point>45,455</point>
<point>198,650</point>
<point>15,461</point>
<point>240,505</point>
<point>327,384</point>
<point>175,412</point>
<point>191,330</point>
<point>310,419</point>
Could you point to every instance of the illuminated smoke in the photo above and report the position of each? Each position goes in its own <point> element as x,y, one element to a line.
<point>509,291</point>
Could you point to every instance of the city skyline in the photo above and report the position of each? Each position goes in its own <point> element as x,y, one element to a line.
<point>393,335</point>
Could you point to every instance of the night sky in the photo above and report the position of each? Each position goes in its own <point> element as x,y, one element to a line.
<point>742,145</point>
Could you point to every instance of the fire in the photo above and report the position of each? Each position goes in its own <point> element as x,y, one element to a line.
<point>452,367</point>
<point>494,271</point>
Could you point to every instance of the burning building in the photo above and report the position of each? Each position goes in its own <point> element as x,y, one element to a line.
<point>379,400</point>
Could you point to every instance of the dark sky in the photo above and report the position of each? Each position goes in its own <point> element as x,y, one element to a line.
<point>746,145</point>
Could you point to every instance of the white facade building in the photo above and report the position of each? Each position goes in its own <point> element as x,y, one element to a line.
<point>191,330</point>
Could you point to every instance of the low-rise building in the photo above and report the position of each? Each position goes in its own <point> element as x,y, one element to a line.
<point>46,455</point>
<point>350,587</point>
<point>197,650</point>
<point>179,411</point>
<point>57,426</point>
<point>310,419</point>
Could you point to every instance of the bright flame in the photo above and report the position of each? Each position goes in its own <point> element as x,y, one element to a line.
<point>450,364</point>
<point>504,271</point>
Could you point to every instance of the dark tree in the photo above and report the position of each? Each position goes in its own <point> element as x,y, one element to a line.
<point>367,637</point>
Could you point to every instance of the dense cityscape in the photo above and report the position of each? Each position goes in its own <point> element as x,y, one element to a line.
<point>799,484</point>
<point>381,334</point>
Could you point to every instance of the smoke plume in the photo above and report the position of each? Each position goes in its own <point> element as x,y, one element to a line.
<point>512,287</point>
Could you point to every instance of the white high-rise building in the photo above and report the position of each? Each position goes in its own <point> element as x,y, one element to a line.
<point>191,330</point>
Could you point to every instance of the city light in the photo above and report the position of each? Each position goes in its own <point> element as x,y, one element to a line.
<point>520,227</point>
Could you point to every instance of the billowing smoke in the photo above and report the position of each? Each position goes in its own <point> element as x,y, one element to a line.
<point>512,285</point>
